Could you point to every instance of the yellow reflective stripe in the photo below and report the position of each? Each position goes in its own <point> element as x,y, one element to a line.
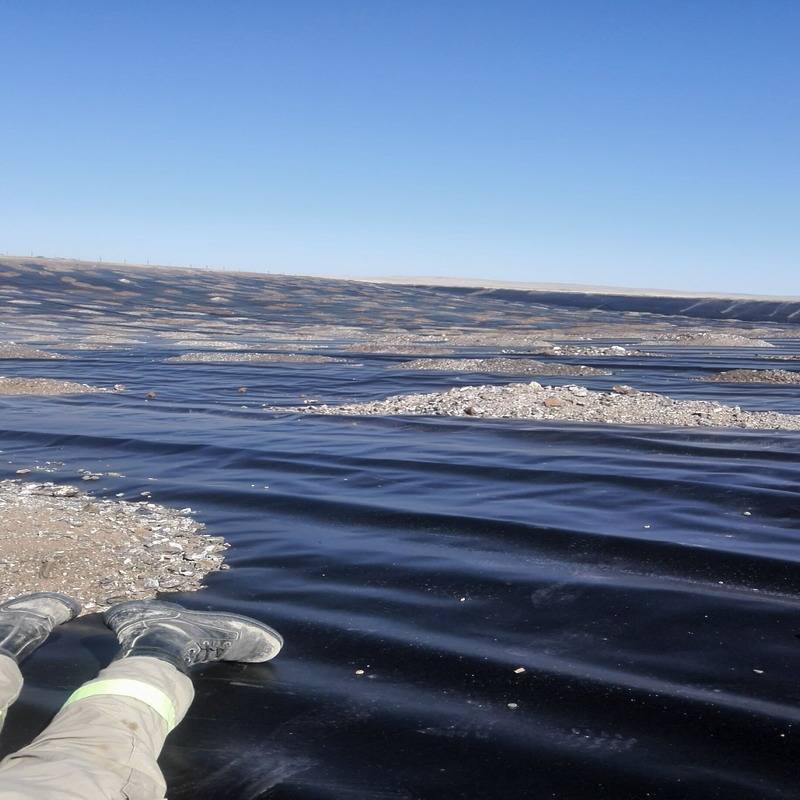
<point>144,692</point>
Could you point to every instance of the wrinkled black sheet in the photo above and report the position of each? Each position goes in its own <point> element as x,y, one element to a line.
<point>656,621</point>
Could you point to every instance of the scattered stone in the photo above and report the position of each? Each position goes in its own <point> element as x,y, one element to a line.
<point>150,396</point>
<point>622,388</point>
<point>242,390</point>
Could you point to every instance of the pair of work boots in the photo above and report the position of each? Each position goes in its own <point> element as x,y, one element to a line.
<point>151,628</point>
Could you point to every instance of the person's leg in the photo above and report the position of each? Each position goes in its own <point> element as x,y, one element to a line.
<point>25,623</point>
<point>10,685</point>
<point>106,740</point>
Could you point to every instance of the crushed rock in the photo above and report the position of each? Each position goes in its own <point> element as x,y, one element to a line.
<point>58,538</point>
<point>499,366</point>
<point>756,376</point>
<point>623,405</point>
<point>44,386</point>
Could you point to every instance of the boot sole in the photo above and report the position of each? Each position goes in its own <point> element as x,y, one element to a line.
<point>73,605</point>
<point>200,616</point>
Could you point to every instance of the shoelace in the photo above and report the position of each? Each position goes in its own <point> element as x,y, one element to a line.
<point>206,651</point>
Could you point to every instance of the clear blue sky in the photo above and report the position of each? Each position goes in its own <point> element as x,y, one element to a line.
<point>632,143</point>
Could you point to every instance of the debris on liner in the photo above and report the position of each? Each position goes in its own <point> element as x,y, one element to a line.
<point>58,538</point>
<point>756,376</point>
<point>623,405</point>
<point>45,386</point>
<point>499,366</point>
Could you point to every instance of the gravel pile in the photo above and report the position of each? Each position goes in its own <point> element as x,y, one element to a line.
<point>623,405</point>
<point>405,349</point>
<point>59,539</point>
<point>499,366</point>
<point>705,339</point>
<point>446,342</point>
<point>588,350</point>
<point>290,358</point>
<point>14,350</point>
<point>217,344</point>
<point>44,386</point>
<point>756,376</point>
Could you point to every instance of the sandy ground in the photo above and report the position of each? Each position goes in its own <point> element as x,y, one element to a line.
<point>60,539</point>
<point>623,406</point>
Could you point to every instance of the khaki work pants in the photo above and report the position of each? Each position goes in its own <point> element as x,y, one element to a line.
<point>105,741</point>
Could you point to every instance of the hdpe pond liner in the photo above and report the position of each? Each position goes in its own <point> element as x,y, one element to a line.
<point>471,608</point>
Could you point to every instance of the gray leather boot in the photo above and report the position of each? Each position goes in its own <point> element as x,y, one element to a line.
<point>27,621</point>
<point>185,638</point>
